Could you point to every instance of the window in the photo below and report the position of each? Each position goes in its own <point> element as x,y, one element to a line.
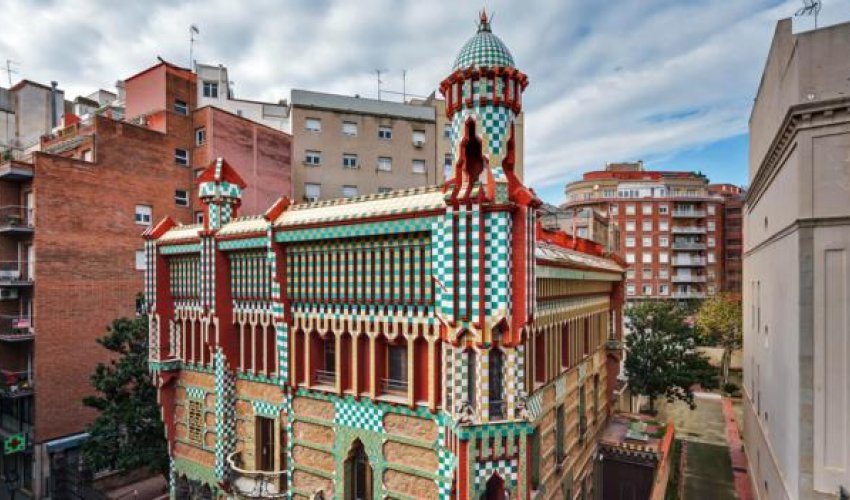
<point>663,273</point>
<point>418,166</point>
<point>630,274</point>
<point>663,257</point>
<point>143,215</point>
<point>630,289</point>
<point>711,242</point>
<point>646,273</point>
<point>663,241</point>
<point>327,374</point>
<point>630,226</point>
<point>630,242</point>
<point>647,289</point>
<point>711,258</point>
<point>181,156</point>
<point>349,160</point>
<point>630,258</point>
<point>470,377</point>
<point>313,125</point>
<point>646,225</point>
<point>181,198</point>
<point>646,208</point>
<point>384,190</point>
<point>663,225</point>
<point>559,434</point>
<point>140,260</point>
<point>385,163</point>
<point>312,157</point>
<point>211,89</point>
<point>710,225</point>
<point>88,155</point>
<point>385,133</point>
<point>200,136</point>
<point>312,191</point>
<point>663,209</point>
<point>418,138</point>
<point>646,241</point>
<point>711,209</point>
<point>663,290</point>
<point>630,209</point>
<point>647,258</point>
<point>199,217</point>
<point>195,421</point>
<point>349,191</point>
<point>396,369</point>
<point>447,130</point>
<point>615,209</point>
<point>349,129</point>
<point>180,107</point>
<point>497,411</point>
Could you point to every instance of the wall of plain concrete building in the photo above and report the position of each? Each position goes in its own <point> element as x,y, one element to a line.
<point>796,277</point>
<point>28,114</point>
<point>274,115</point>
<point>366,144</point>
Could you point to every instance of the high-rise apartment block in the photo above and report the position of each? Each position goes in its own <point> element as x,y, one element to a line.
<point>72,209</point>
<point>670,228</point>
<point>796,283</point>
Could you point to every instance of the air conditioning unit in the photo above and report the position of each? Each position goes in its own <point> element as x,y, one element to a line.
<point>8,293</point>
<point>418,143</point>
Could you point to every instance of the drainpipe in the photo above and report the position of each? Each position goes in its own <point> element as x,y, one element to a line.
<point>54,121</point>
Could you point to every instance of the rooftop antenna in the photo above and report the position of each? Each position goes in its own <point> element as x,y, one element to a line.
<point>404,85</point>
<point>378,72</point>
<point>810,8</point>
<point>9,70</point>
<point>193,30</point>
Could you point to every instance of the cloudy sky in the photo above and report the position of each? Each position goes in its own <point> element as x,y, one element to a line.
<point>667,81</point>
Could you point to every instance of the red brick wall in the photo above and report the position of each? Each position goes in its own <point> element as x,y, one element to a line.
<point>85,242</point>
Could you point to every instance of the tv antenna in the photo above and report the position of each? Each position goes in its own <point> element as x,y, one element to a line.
<point>9,71</point>
<point>810,8</point>
<point>193,30</point>
<point>378,73</point>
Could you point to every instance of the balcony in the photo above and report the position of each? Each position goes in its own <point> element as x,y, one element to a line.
<point>688,279</point>
<point>16,165</point>
<point>688,214</point>
<point>326,377</point>
<point>256,483</point>
<point>692,262</point>
<point>13,273</point>
<point>688,295</point>
<point>394,387</point>
<point>16,328</point>
<point>16,219</point>
<point>688,245</point>
<point>688,230</point>
<point>15,384</point>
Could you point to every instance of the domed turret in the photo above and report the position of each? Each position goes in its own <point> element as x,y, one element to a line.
<point>484,50</point>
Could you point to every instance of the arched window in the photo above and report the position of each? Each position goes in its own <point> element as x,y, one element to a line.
<point>470,377</point>
<point>496,383</point>
<point>358,474</point>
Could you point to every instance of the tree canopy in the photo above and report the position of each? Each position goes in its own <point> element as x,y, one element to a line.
<point>720,322</point>
<point>128,433</point>
<point>661,356</point>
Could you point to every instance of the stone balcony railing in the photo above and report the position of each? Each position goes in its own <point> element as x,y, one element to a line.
<point>688,230</point>
<point>249,484</point>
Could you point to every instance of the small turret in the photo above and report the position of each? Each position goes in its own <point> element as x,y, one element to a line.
<point>220,190</point>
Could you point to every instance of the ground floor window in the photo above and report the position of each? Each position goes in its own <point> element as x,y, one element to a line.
<point>358,474</point>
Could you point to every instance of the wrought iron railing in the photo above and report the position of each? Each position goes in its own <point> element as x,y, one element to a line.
<point>15,327</point>
<point>394,386</point>
<point>15,383</point>
<point>325,377</point>
<point>249,483</point>
<point>14,270</point>
<point>16,216</point>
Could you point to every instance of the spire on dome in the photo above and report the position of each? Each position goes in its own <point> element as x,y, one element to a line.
<point>483,21</point>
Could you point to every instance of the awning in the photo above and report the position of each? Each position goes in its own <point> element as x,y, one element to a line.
<point>67,442</point>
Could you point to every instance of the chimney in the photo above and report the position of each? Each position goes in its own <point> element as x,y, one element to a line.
<point>54,117</point>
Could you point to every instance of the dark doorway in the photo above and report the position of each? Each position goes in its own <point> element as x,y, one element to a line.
<point>265,444</point>
<point>358,474</point>
<point>495,489</point>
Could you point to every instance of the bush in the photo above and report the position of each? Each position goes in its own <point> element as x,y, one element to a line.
<point>731,389</point>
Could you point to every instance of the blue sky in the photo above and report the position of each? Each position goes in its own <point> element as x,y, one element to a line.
<point>670,82</point>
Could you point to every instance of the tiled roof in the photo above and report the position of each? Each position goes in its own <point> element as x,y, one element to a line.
<point>361,207</point>
<point>484,50</point>
<point>563,255</point>
<point>243,225</point>
<point>181,233</point>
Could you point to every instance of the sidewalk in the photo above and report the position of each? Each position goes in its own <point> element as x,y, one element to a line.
<point>736,453</point>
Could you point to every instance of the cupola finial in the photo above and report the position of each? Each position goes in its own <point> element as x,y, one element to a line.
<point>483,21</point>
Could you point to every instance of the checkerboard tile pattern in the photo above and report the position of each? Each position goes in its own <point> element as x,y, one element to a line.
<point>266,409</point>
<point>364,416</point>
<point>484,50</point>
<point>497,265</point>
<point>447,462</point>
<point>492,125</point>
<point>225,414</point>
<point>507,470</point>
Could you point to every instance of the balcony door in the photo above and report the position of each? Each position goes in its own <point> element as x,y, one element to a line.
<point>30,208</point>
<point>265,439</point>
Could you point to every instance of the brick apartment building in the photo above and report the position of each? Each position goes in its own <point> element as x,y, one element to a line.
<point>70,222</point>
<point>733,230</point>
<point>670,226</point>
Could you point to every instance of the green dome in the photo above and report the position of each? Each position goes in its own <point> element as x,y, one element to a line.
<point>484,50</point>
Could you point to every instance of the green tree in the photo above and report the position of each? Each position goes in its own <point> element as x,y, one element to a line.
<point>128,434</point>
<point>720,321</point>
<point>661,359</point>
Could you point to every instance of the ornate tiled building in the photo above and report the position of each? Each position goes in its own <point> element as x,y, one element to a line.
<point>427,343</point>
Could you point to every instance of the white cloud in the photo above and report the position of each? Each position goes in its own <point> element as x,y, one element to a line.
<point>609,80</point>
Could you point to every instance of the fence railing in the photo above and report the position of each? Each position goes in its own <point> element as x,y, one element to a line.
<point>15,154</point>
<point>688,213</point>
<point>688,245</point>
<point>15,326</point>
<point>325,377</point>
<point>689,262</point>
<point>14,270</point>
<point>250,483</point>
<point>688,230</point>
<point>15,383</point>
<point>394,386</point>
<point>16,216</point>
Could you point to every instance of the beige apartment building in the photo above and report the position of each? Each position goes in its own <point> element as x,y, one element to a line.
<point>796,277</point>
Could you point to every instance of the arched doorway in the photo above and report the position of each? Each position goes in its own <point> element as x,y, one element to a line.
<point>495,489</point>
<point>358,474</point>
